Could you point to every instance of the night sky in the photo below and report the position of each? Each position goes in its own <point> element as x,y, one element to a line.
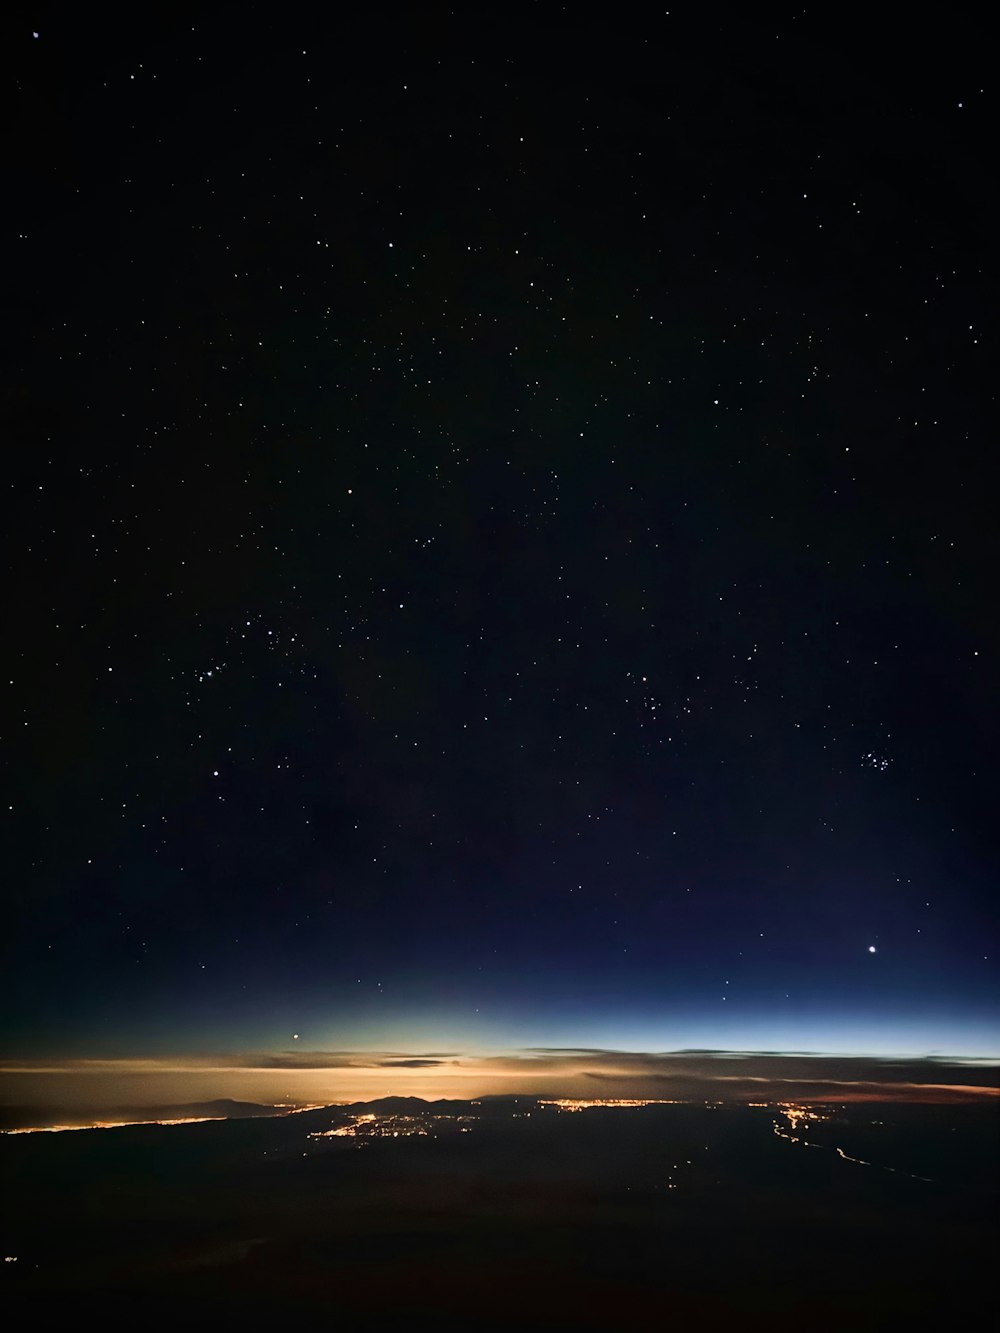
<point>500,536</point>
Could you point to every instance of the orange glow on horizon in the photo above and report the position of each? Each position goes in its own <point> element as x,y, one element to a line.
<point>78,1092</point>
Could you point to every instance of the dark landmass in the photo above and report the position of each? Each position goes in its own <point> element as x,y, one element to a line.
<point>222,1108</point>
<point>512,1213</point>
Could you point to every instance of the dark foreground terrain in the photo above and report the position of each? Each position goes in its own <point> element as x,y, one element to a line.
<point>512,1214</point>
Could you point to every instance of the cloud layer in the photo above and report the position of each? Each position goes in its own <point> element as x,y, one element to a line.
<point>342,1076</point>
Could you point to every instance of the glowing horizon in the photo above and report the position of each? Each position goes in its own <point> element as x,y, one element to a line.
<point>325,1078</point>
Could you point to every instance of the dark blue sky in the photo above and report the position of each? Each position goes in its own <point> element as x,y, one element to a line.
<point>499,536</point>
